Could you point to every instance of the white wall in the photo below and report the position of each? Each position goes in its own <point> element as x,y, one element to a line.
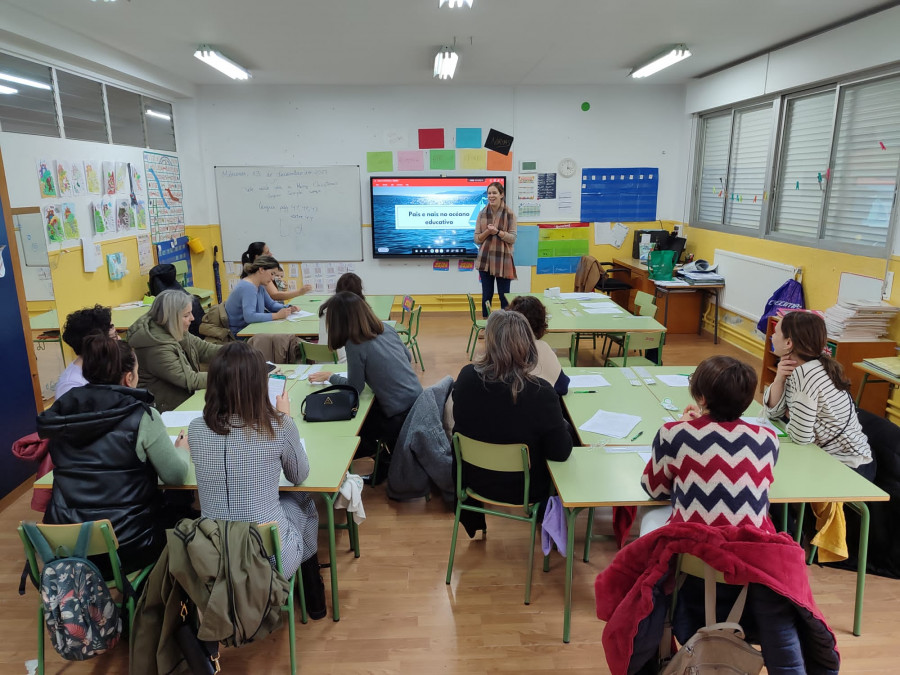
<point>864,44</point>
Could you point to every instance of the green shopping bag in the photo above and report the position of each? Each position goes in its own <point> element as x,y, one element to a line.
<point>661,265</point>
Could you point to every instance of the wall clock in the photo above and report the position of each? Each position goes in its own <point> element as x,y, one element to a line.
<point>567,167</point>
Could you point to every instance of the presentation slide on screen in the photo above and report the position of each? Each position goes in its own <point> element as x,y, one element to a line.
<point>427,216</point>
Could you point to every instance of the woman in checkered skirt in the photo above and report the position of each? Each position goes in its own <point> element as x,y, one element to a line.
<point>240,447</point>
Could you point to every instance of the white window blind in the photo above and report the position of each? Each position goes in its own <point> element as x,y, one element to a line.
<point>160,131</point>
<point>803,171</point>
<point>81,101</point>
<point>32,109</point>
<point>716,133</point>
<point>126,117</point>
<point>864,171</point>
<point>747,168</point>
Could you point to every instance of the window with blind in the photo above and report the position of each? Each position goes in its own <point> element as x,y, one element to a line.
<point>126,117</point>
<point>747,167</point>
<point>865,162</point>
<point>27,105</point>
<point>158,120</point>
<point>803,169</point>
<point>81,101</point>
<point>716,134</point>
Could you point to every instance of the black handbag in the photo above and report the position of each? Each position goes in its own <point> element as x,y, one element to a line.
<point>332,404</point>
<point>201,656</point>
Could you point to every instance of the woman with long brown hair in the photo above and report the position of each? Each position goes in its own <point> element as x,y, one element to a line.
<point>810,386</point>
<point>498,400</point>
<point>240,447</point>
<point>249,302</point>
<point>495,234</point>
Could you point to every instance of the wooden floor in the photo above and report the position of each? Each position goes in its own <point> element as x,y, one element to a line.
<point>398,616</point>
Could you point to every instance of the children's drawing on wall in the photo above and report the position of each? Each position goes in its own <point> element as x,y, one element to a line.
<point>92,171</point>
<point>63,181</point>
<point>109,178</point>
<point>97,221</point>
<point>46,179</point>
<point>137,179</point>
<point>123,215</point>
<point>122,183</point>
<point>108,206</point>
<point>69,220</point>
<point>53,224</point>
<point>117,266</point>
<point>145,253</point>
<point>140,214</point>
<point>76,176</point>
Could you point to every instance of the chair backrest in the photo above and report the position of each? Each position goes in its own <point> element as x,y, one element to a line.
<point>271,540</point>
<point>647,310</point>
<point>471,307</point>
<point>643,341</point>
<point>587,274</point>
<point>181,270</point>
<point>559,341</point>
<point>408,303</point>
<point>67,535</point>
<point>641,299</point>
<point>487,308</point>
<point>414,322</point>
<point>508,458</point>
<point>317,352</point>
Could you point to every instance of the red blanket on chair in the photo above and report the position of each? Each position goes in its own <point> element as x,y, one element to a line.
<point>34,449</point>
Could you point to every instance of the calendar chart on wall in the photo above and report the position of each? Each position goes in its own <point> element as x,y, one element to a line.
<point>164,196</point>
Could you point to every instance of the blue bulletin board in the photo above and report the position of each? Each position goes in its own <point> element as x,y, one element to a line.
<point>174,250</point>
<point>619,195</point>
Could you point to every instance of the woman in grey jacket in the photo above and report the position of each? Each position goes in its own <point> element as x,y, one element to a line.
<point>169,355</point>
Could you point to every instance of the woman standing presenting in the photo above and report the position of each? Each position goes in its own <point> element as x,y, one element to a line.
<point>495,234</point>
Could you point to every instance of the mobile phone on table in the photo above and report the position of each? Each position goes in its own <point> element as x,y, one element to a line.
<point>277,384</point>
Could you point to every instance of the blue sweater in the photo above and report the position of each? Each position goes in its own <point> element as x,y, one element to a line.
<point>249,304</point>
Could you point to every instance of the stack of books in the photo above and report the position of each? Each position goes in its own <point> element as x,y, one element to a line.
<point>859,319</point>
<point>700,278</point>
<point>887,365</point>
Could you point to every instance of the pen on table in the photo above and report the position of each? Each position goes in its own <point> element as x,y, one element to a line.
<point>637,435</point>
<point>585,391</point>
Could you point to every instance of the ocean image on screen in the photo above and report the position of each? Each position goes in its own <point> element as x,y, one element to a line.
<point>427,219</point>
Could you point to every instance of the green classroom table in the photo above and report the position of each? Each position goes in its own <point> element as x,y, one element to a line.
<point>569,316</point>
<point>309,326</point>
<point>593,477</point>
<point>330,447</point>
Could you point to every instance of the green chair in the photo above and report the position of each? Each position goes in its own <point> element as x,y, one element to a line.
<point>565,341</point>
<point>181,271</point>
<point>271,541</point>
<point>412,336</point>
<point>639,342</point>
<point>511,458</point>
<point>313,352</point>
<point>642,299</point>
<point>477,327</point>
<point>406,308</point>
<point>102,541</point>
<point>644,308</point>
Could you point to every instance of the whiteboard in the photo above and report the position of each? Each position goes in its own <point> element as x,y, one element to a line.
<point>749,282</point>
<point>302,213</point>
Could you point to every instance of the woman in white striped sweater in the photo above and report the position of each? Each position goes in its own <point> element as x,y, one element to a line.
<point>811,388</point>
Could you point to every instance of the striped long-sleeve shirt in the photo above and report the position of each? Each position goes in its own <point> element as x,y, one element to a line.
<point>716,473</point>
<point>821,413</point>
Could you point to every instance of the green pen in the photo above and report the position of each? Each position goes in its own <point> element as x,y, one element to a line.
<point>585,391</point>
<point>637,435</point>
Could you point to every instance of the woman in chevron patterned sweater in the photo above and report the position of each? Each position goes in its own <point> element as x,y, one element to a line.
<point>715,467</point>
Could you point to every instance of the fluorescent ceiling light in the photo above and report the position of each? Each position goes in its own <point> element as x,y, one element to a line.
<point>445,64</point>
<point>669,58</point>
<point>162,116</point>
<point>221,63</point>
<point>22,80</point>
<point>455,3</point>
<point>8,90</point>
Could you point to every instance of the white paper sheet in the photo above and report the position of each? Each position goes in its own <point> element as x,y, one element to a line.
<point>616,425</point>
<point>629,448</point>
<point>611,309</point>
<point>312,369</point>
<point>674,380</point>
<point>582,381</point>
<point>302,314</point>
<point>763,423</point>
<point>629,375</point>
<point>603,234</point>
<point>645,456</point>
<point>578,296</point>
<point>276,387</point>
<point>180,418</point>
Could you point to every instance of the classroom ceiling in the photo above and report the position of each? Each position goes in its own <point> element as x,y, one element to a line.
<point>393,42</point>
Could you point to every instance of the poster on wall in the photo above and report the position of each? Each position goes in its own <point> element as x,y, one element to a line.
<point>92,172</point>
<point>145,253</point>
<point>46,179</point>
<point>164,196</point>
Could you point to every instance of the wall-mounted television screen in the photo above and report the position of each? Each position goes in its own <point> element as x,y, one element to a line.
<point>427,217</point>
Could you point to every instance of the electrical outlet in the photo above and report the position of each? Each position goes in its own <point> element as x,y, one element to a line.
<point>887,286</point>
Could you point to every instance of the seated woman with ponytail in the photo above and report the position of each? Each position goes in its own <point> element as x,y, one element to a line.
<point>109,449</point>
<point>249,302</point>
<point>276,288</point>
<point>811,388</point>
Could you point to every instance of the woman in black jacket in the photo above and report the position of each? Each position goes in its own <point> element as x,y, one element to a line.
<point>109,448</point>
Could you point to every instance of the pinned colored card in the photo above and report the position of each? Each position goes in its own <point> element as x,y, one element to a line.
<point>53,224</point>
<point>97,220</point>
<point>557,265</point>
<point>431,138</point>
<point>123,185</point>
<point>379,161</point>
<point>108,209</point>
<point>473,159</point>
<point>77,177</point>
<point>69,220</point>
<point>499,162</point>
<point>46,178</point>
<point>63,180</point>
<point>526,249</point>
<point>441,265</point>
<point>468,137</point>
<point>117,266</point>
<point>137,179</point>
<point>92,171</point>
<point>465,265</point>
<point>442,159</point>
<point>498,142</point>
<point>123,215</point>
<point>109,178</point>
<point>410,160</point>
